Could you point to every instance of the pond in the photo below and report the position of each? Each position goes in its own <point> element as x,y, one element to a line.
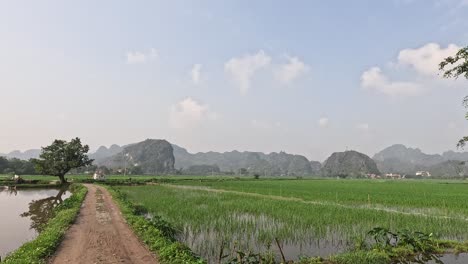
<point>23,212</point>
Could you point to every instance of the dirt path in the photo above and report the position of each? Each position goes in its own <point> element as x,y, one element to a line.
<point>101,235</point>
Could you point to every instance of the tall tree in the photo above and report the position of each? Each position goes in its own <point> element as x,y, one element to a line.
<point>62,156</point>
<point>453,67</point>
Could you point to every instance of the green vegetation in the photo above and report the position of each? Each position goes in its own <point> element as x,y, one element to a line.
<point>245,220</point>
<point>250,216</point>
<point>16,166</point>
<point>38,250</point>
<point>434,197</point>
<point>458,64</point>
<point>157,234</point>
<point>453,67</point>
<point>61,157</point>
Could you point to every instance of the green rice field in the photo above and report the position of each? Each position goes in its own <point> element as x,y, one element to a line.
<point>302,217</point>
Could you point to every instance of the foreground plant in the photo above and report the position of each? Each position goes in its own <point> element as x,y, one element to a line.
<point>406,246</point>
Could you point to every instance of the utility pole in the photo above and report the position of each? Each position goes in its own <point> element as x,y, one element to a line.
<point>125,164</point>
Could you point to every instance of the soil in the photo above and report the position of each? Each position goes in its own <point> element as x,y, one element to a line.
<point>101,235</point>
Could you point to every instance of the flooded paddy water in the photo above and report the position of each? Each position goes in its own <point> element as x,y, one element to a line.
<point>253,234</point>
<point>453,259</point>
<point>23,213</point>
<point>210,244</point>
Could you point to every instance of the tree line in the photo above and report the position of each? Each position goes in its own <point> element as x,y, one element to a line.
<point>17,166</point>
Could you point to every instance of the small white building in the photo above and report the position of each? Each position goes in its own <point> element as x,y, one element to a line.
<point>393,175</point>
<point>99,175</point>
<point>423,174</point>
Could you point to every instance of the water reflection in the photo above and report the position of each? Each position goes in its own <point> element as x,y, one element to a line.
<point>22,213</point>
<point>9,190</point>
<point>452,259</point>
<point>40,211</point>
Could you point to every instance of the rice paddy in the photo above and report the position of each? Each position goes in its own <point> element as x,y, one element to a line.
<point>302,217</point>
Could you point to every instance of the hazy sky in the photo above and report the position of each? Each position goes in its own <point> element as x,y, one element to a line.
<point>307,77</point>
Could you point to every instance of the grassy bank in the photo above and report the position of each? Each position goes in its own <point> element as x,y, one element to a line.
<point>45,244</point>
<point>157,234</point>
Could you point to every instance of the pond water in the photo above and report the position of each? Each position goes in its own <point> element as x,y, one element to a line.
<point>23,211</point>
<point>453,259</point>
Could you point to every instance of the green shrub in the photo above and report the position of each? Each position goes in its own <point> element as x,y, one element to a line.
<point>362,257</point>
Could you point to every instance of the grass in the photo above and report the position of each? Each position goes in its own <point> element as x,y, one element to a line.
<point>39,249</point>
<point>301,212</point>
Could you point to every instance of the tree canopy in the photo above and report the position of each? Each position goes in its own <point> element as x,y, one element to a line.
<point>456,65</point>
<point>453,67</point>
<point>62,156</point>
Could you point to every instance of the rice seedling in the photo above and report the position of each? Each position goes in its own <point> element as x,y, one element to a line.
<point>299,217</point>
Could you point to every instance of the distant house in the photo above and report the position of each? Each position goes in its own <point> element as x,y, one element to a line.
<point>99,175</point>
<point>423,174</point>
<point>373,176</point>
<point>393,176</point>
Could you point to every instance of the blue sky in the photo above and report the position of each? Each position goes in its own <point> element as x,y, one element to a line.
<point>308,77</point>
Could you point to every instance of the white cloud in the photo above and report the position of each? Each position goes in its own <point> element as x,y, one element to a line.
<point>189,112</point>
<point>195,73</point>
<point>422,63</point>
<point>363,127</point>
<point>323,122</point>
<point>290,71</point>
<point>425,60</point>
<point>241,69</point>
<point>374,79</point>
<point>135,57</point>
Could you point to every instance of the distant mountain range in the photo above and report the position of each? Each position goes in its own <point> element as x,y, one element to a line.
<point>103,153</point>
<point>26,155</point>
<point>401,159</point>
<point>259,163</point>
<point>159,156</point>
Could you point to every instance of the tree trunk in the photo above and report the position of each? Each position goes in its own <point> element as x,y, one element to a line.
<point>62,179</point>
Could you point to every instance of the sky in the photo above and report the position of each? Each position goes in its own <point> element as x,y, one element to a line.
<point>305,77</point>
